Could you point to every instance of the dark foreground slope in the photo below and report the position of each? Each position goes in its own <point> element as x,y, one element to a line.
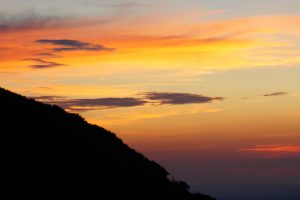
<point>52,154</point>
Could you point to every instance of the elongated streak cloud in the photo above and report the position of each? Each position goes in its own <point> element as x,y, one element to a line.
<point>73,45</point>
<point>104,103</point>
<point>274,149</point>
<point>43,64</point>
<point>179,98</point>
<point>275,94</point>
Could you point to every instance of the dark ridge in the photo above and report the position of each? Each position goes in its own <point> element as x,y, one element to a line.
<point>52,154</point>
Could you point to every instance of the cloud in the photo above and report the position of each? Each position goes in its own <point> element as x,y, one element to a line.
<point>105,103</point>
<point>179,98</point>
<point>91,104</point>
<point>121,5</point>
<point>27,21</point>
<point>73,45</point>
<point>32,21</point>
<point>48,55</point>
<point>210,43</point>
<point>109,102</point>
<point>274,148</point>
<point>275,94</point>
<point>43,64</point>
<point>49,98</point>
<point>126,5</point>
<point>274,151</point>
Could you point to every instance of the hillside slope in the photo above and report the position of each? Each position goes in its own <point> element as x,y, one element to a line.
<point>52,154</point>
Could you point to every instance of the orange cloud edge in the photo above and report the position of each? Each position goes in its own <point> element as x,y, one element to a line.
<point>274,148</point>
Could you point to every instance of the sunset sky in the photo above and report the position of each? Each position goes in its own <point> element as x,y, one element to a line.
<point>208,88</point>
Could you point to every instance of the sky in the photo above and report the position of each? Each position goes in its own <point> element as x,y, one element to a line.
<point>208,88</point>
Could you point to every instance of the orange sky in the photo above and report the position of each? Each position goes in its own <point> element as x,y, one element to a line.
<point>207,80</point>
<point>167,53</point>
<point>164,52</point>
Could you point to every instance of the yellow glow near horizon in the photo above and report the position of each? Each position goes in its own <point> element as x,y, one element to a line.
<point>172,54</point>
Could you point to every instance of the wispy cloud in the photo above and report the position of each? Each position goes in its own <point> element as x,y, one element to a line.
<point>273,151</point>
<point>211,43</point>
<point>43,64</point>
<point>179,98</point>
<point>73,45</point>
<point>127,5</point>
<point>274,148</point>
<point>275,94</point>
<point>121,5</point>
<point>49,98</point>
<point>47,55</point>
<point>27,21</point>
<point>62,45</point>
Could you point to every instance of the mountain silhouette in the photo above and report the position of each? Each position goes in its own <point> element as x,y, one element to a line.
<point>51,154</point>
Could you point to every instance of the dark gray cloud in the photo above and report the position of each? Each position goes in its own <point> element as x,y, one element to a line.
<point>73,45</point>
<point>47,55</point>
<point>91,104</point>
<point>275,94</point>
<point>109,102</point>
<point>43,64</point>
<point>179,98</point>
<point>106,103</point>
<point>32,21</point>
<point>28,21</point>
<point>63,45</point>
